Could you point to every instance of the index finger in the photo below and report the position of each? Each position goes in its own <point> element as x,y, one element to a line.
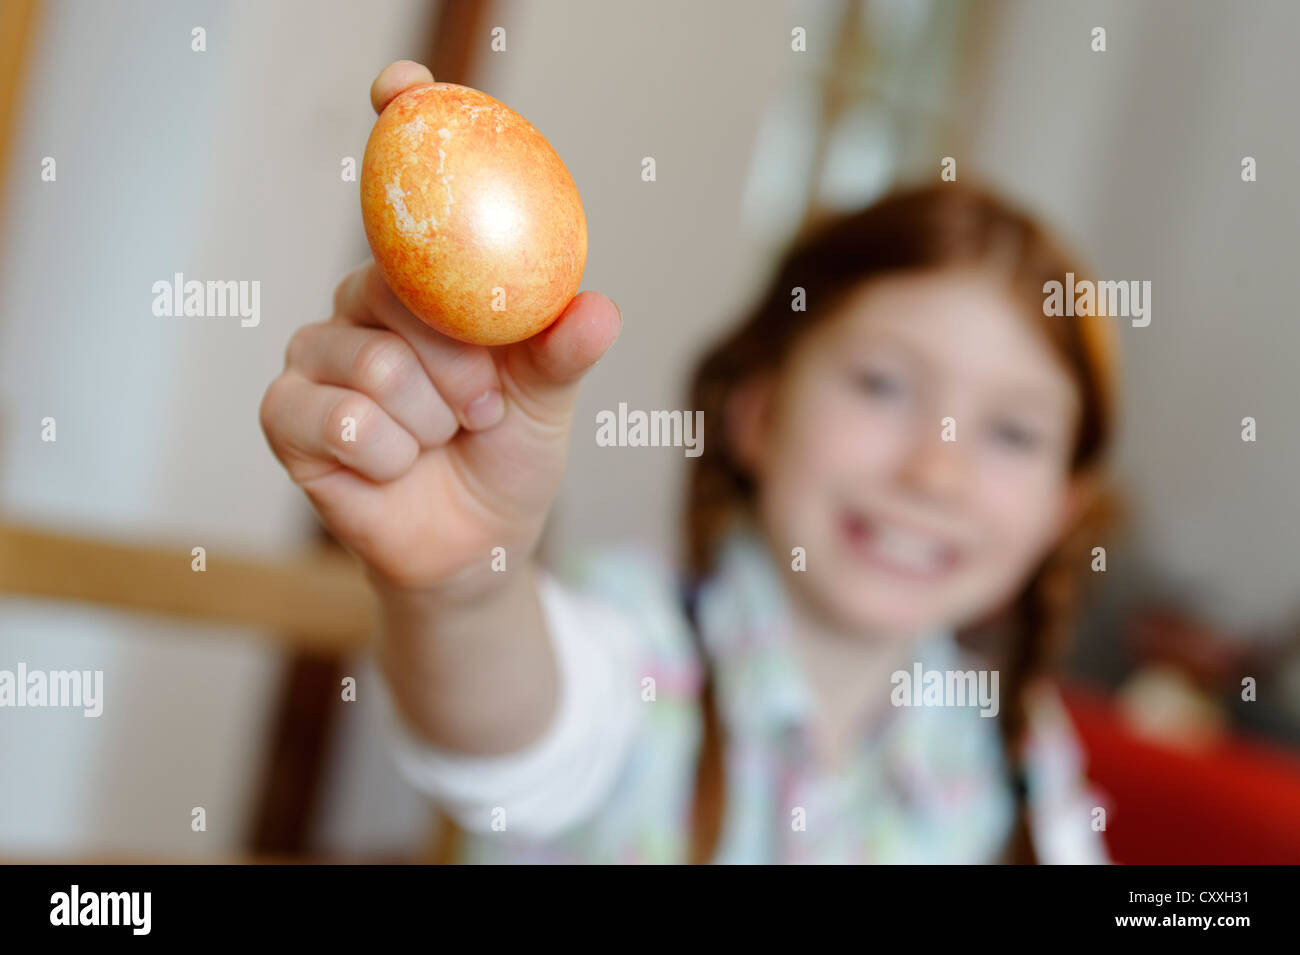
<point>394,78</point>
<point>461,373</point>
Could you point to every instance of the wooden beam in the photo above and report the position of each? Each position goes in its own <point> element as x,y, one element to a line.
<point>319,603</point>
<point>298,755</point>
<point>459,37</point>
<point>19,20</point>
<point>455,50</point>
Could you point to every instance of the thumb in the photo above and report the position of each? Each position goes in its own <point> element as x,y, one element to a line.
<point>547,367</point>
<point>394,79</point>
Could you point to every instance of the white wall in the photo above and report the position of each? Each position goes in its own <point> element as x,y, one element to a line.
<point>1136,153</point>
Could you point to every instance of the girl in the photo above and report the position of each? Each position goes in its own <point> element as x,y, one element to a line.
<point>901,481</point>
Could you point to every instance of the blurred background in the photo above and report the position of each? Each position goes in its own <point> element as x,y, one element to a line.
<point>222,688</point>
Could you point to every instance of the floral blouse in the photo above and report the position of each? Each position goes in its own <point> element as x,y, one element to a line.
<point>612,779</point>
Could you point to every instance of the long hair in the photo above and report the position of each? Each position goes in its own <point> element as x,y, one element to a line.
<point>938,226</point>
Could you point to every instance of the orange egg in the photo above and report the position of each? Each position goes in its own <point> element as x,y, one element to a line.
<point>472,217</point>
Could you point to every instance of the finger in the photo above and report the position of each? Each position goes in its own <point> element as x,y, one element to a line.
<point>378,363</point>
<point>394,78</point>
<point>315,428</point>
<point>464,375</point>
<point>545,369</point>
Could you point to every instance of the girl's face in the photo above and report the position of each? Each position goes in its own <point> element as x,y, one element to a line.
<point>916,445</point>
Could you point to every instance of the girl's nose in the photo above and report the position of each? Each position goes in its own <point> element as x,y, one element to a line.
<point>935,466</point>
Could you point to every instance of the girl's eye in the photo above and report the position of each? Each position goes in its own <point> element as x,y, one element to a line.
<point>1015,436</point>
<point>879,384</point>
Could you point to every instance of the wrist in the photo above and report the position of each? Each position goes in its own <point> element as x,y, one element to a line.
<point>470,588</point>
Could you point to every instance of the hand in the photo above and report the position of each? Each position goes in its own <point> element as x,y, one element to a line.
<point>458,448</point>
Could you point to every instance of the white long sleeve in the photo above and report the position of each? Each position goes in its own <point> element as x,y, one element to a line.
<point>563,776</point>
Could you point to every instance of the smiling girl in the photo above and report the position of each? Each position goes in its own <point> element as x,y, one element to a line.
<point>908,472</point>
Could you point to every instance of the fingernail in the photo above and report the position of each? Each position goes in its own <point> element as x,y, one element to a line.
<point>485,410</point>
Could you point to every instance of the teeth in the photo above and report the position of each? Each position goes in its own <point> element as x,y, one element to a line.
<point>906,549</point>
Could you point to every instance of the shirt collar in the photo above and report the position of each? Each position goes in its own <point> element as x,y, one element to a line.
<point>744,626</point>
<point>744,620</point>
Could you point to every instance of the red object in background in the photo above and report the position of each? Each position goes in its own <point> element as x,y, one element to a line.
<point>1236,802</point>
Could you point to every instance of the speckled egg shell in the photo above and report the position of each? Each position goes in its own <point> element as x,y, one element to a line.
<point>467,206</point>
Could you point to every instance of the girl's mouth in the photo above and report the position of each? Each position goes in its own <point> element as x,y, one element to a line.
<point>897,550</point>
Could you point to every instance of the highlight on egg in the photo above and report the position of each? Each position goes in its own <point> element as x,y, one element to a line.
<point>472,216</point>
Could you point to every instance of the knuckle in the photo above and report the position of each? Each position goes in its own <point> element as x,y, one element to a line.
<point>348,422</point>
<point>342,292</point>
<point>297,345</point>
<point>382,366</point>
<point>266,411</point>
